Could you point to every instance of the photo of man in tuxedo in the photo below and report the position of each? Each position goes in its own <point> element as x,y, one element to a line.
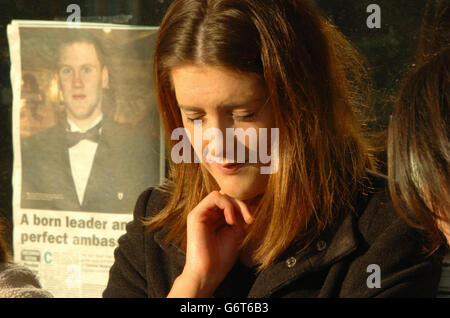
<point>86,162</point>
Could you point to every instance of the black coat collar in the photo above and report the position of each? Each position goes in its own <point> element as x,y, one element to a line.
<point>332,246</point>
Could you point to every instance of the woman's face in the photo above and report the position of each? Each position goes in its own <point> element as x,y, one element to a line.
<point>220,98</point>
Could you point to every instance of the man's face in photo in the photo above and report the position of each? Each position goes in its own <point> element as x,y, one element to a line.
<point>81,79</point>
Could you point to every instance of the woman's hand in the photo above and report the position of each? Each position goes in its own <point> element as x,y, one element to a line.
<point>215,229</point>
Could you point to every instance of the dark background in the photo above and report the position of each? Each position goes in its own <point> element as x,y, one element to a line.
<point>389,50</point>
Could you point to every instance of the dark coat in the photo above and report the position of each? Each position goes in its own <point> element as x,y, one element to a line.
<point>336,265</point>
<point>125,164</point>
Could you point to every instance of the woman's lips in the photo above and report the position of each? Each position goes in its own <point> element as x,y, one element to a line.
<point>229,168</point>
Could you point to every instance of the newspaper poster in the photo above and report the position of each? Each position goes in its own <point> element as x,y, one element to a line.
<point>87,142</point>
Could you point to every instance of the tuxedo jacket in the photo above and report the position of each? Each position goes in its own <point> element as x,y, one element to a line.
<point>126,162</point>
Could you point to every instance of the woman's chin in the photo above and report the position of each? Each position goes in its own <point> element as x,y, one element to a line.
<point>244,185</point>
<point>240,192</point>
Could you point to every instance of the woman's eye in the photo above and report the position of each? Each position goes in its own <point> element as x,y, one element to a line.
<point>248,117</point>
<point>194,119</point>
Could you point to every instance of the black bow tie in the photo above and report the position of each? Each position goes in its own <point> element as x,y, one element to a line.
<point>92,134</point>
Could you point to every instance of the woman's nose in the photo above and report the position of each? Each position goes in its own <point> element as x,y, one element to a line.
<point>214,139</point>
<point>217,121</point>
<point>223,142</point>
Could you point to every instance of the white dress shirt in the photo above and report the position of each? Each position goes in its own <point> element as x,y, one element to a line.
<point>81,158</point>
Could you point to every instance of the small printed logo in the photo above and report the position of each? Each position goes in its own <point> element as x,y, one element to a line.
<point>74,19</point>
<point>48,257</point>
<point>374,19</point>
<point>374,279</point>
<point>120,195</point>
<point>73,279</point>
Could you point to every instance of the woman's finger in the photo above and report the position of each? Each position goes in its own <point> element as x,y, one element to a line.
<point>216,202</point>
<point>242,207</point>
<point>245,211</point>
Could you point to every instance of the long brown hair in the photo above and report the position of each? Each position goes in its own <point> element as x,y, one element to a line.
<point>419,148</point>
<point>312,75</point>
<point>434,32</point>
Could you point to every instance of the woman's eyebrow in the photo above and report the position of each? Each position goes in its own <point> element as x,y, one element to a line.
<point>240,104</point>
<point>224,105</point>
<point>190,108</point>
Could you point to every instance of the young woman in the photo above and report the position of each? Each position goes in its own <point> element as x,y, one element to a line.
<point>319,224</point>
<point>419,150</point>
